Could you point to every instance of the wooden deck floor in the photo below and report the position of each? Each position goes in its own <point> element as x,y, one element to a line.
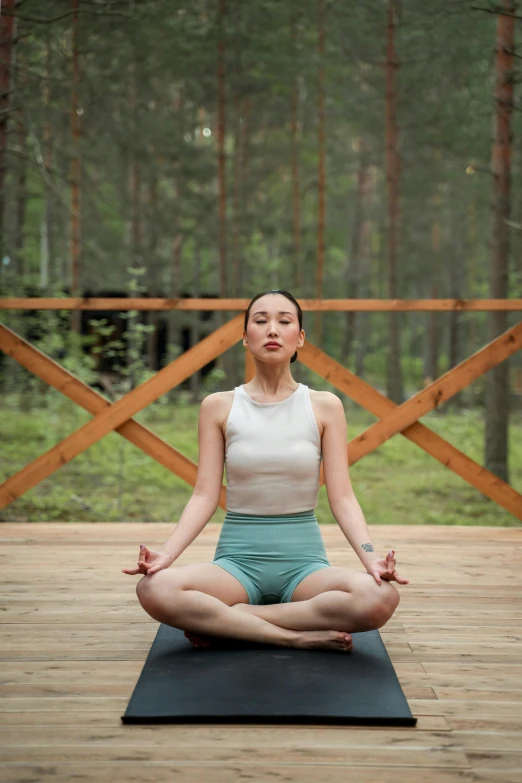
<point>74,640</point>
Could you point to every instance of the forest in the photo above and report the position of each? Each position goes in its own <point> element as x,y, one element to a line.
<point>337,150</point>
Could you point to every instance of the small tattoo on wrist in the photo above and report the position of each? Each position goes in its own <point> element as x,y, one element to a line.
<point>368,547</point>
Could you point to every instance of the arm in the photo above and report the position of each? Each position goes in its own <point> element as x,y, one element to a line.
<point>205,497</point>
<point>343,502</point>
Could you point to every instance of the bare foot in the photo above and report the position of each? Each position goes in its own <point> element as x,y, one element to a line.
<point>324,640</point>
<point>329,640</point>
<point>309,640</point>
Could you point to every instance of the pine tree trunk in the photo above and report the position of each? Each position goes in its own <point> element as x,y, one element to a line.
<point>497,380</point>
<point>321,172</point>
<point>152,316</point>
<point>353,274</point>
<point>394,371</point>
<point>472,276</point>
<point>431,366</point>
<point>224,361</point>
<point>221,129</point>
<point>196,378</point>
<point>7,35</point>
<point>457,276</point>
<point>235,257</point>
<point>297,276</point>
<point>361,322</point>
<point>75,247</point>
<point>46,231</point>
<point>178,237</point>
<point>296,191</point>
<point>21,195</point>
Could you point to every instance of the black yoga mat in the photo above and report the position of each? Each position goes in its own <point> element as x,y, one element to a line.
<point>247,682</point>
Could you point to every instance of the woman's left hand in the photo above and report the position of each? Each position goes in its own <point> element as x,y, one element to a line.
<point>385,569</point>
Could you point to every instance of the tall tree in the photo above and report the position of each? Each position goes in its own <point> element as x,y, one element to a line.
<point>394,370</point>
<point>75,238</point>
<point>497,380</point>
<point>296,188</point>
<point>221,130</point>
<point>321,174</point>
<point>7,36</point>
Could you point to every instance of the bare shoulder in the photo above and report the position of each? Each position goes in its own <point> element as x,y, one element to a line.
<point>218,405</point>
<point>325,405</point>
<point>326,400</point>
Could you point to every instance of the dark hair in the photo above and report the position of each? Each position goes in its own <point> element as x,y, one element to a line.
<point>288,296</point>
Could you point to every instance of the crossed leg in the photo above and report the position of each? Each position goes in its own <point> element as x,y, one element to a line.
<point>332,597</point>
<point>206,599</point>
<point>199,598</point>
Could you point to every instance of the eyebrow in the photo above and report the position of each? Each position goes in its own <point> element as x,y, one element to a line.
<point>280,312</point>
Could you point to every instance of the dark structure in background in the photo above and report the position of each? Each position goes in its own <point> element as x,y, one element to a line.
<point>192,326</point>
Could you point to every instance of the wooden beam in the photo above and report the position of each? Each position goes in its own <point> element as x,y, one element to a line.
<point>378,404</point>
<point>328,305</point>
<point>121,411</point>
<point>79,392</point>
<point>437,392</point>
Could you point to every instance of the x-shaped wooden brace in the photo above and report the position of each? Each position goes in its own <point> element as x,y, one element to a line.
<point>404,418</point>
<point>395,418</point>
<point>111,416</point>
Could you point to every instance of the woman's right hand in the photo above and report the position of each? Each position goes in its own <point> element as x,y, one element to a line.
<point>149,562</point>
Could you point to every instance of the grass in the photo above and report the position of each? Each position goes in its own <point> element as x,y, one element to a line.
<point>115,481</point>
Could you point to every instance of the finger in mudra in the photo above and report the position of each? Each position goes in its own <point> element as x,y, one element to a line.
<point>149,561</point>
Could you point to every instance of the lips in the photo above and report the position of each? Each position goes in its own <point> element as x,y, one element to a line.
<point>274,345</point>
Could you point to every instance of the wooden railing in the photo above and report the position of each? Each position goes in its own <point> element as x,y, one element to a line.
<point>394,419</point>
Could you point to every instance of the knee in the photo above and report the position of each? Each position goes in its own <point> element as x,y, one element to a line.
<point>143,590</point>
<point>159,595</point>
<point>148,589</point>
<point>385,600</point>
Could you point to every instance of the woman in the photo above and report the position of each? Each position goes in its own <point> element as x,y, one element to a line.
<point>270,580</point>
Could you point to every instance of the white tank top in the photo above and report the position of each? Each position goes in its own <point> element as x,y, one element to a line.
<point>272,454</point>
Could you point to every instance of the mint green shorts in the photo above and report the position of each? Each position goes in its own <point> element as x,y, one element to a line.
<point>270,554</point>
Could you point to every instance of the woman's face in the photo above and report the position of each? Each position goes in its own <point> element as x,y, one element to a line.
<point>273,317</point>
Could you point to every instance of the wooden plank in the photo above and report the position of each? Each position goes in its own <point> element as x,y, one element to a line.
<point>150,771</point>
<point>265,738</point>
<point>442,538</point>
<point>138,653</point>
<point>493,761</point>
<point>120,411</point>
<point>225,303</point>
<point>511,669</point>
<point>480,724</point>
<point>63,673</point>
<point>508,709</point>
<point>220,753</point>
<point>470,693</point>
<point>487,740</point>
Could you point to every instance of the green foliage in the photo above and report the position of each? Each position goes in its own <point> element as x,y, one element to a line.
<point>397,484</point>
